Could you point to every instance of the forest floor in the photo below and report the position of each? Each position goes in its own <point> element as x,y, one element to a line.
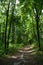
<point>25,56</point>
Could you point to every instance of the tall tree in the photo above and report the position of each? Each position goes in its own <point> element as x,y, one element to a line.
<point>7,14</point>
<point>11,22</point>
<point>38,9</point>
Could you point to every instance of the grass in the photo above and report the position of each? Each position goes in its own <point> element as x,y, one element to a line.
<point>12,49</point>
<point>16,46</point>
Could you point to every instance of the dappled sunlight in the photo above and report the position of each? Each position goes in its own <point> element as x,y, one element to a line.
<point>9,56</point>
<point>28,49</point>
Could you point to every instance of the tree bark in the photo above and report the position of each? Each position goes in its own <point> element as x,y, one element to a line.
<point>37,27</point>
<point>37,24</point>
<point>11,20</point>
<point>13,31</point>
<point>7,22</point>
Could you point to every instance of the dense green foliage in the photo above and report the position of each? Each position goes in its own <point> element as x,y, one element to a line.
<point>21,23</point>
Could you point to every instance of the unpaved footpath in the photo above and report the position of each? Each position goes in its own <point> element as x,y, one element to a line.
<point>25,56</point>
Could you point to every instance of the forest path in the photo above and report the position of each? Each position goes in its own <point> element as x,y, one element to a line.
<point>25,56</point>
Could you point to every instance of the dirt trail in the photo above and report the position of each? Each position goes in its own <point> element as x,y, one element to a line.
<point>25,56</point>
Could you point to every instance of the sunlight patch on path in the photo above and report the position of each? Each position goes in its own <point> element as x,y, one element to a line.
<point>25,51</point>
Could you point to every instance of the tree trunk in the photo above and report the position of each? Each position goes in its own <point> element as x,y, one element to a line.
<point>9,34</point>
<point>37,24</point>
<point>11,20</point>
<point>13,31</point>
<point>7,22</point>
<point>38,33</point>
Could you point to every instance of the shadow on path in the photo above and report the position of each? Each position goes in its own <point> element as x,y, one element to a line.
<point>24,56</point>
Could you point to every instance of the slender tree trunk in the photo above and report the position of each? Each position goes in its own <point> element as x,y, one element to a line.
<point>37,24</point>
<point>11,20</point>
<point>38,33</point>
<point>7,14</point>
<point>9,31</point>
<point>13,31</point>
<point>9,34</point>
